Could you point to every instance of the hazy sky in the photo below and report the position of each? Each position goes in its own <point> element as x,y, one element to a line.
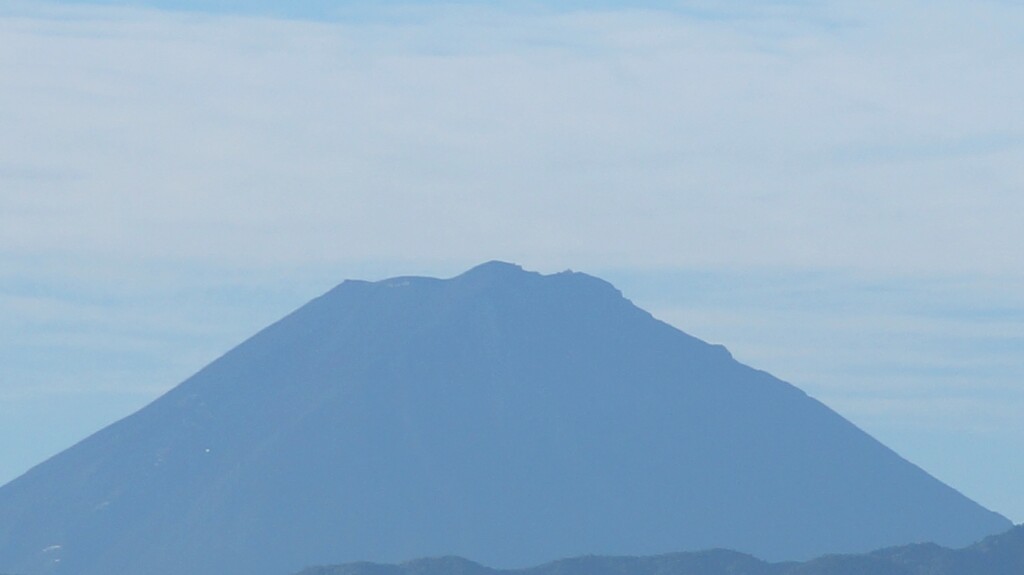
<point>833,190</point>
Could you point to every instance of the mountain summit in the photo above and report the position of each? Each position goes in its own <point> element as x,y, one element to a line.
<point>503,415</point>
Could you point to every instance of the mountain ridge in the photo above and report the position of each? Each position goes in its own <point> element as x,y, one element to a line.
<point>1001,554</point>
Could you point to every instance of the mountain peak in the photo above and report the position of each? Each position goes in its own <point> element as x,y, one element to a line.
<point>499,273</point>
<point>495,268</point>
<point>496,271</point>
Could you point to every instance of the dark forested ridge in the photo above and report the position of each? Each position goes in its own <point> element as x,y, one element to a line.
<point>996,555</point>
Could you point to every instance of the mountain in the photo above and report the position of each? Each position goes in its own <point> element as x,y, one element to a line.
<point>714,562</point>
<point>1001,554</point>
<point>502,414</point>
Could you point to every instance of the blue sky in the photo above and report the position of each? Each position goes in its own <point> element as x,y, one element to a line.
<point>830,189</point>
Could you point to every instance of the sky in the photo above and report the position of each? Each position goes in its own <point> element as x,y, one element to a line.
<point>832,190</point>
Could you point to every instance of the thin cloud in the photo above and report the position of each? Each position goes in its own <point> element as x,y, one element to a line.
<point>765,139</point>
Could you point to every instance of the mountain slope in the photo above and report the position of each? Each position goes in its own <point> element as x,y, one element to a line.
<point>502,414</point>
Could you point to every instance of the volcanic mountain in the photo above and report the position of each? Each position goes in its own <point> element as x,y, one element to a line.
<point>502,415</point>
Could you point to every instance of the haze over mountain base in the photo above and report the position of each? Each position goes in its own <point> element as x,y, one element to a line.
<point>502,415</point>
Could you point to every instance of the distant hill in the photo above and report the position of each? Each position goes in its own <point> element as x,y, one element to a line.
<point>503,415</point>
<point>996,555</point>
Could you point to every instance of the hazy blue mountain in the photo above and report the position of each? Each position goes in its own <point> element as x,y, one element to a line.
<point>712,562</point>
<point>502,415</point>
<point>997,555</point>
